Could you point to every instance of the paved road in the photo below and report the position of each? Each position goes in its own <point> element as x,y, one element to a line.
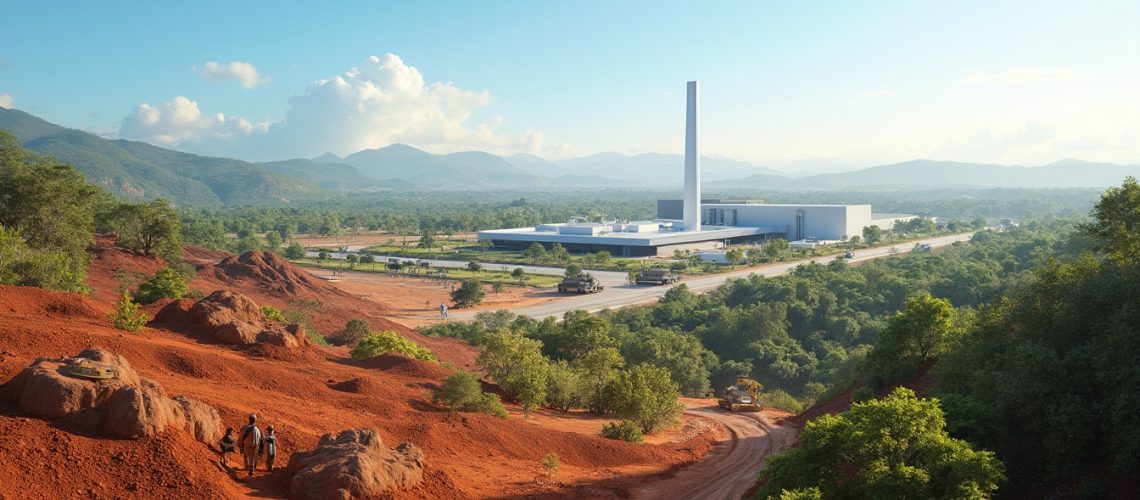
<point>728,471</point>
<point>619,293</point>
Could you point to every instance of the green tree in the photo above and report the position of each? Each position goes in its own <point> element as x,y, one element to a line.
<point>872,234</point>
<point>294,251</point>
<point>352,259</point>
<point>474,267</point>
<point>427,240</point>
<point>624,431</point>
<point>484,244</point>
<point>51,207</point>
<point>563,386</point>
<point>559,253</point>
<point>388,341</point>
<point>1116,222</point>
<point>127,315</point>
<point>517,365</point>
<point>896,447</point>
<point>912,336</point>
<point>519,274</point>
<point>646,396</point>
<point>167,283</point>
<point>355,331</point>
<point>596,369</point>
<point>470,293</point>
<point>461,392</point>
<point>367,258</point>
<point>550,464</point>
<point>734,255</point>
<point>604,258</point>
<point>149,228</point>
<point>688,362</point>
<point>535,252</point>
<point>323,255</point>
<point>273,241</point>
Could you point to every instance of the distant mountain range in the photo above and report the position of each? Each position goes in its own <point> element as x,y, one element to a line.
<point>134,169</point>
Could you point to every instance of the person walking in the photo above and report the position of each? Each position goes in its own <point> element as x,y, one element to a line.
<point>269,445</point>
<point>443,310</point>
<point>250,443</point>
<point>226,446</point>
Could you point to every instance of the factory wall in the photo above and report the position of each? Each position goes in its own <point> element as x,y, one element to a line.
<point>825,222</point>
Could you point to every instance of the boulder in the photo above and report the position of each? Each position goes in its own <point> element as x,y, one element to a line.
<point>353,464</point>
<point>126,406</point>
<point>231,318</point>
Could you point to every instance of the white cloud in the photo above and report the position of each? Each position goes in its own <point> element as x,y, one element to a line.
<point>178,121</point>
<point>6,101</point>
<point>243,72</point>
<point>1018,76</point>
<point>876,95</point>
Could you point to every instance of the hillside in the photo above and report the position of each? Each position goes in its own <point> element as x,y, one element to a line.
<point>304,393</point>
<point>465,170</point>
<point>136,170</point>
<point>333,175</point>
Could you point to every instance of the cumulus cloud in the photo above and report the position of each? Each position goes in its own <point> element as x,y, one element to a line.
<point>378,103</point>
<point>876,95</point>
<point>6,101</point>
<point>180,121</point>
<point>243,72</point>
<point>1018,76</point>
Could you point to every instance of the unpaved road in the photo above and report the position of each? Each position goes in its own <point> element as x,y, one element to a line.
<point>730,469</point>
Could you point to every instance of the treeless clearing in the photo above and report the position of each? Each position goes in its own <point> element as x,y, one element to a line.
<point>415,301</point>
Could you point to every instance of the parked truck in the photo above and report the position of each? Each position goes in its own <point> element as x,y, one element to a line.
<point>583,283</point>
<point>657,277</point>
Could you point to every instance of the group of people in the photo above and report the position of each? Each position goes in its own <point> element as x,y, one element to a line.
<point>252,444</point>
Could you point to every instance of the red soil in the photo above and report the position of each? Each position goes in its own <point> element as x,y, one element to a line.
<point>304,393</point>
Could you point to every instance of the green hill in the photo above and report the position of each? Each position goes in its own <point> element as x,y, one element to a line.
<point>137,170</point>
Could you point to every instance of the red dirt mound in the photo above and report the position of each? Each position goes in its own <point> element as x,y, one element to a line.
<point>399,364</point>
<point>354,464</point>
<point>231,318</point>
<point>111,266</point>
<point>275,275</point>
<point>197,255</point>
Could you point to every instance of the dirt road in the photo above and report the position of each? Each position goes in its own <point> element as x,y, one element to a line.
<point>729,470</point>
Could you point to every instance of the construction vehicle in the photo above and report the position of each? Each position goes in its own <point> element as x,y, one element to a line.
<point>741,396</point>
<point>656,277</point>
<point>85,368</point>
<point>583,283</point>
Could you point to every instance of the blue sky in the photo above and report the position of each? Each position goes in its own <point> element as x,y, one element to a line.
<point>796,85</point>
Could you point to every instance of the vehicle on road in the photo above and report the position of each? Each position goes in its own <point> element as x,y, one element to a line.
<point>849,255</point>
<point>656,277</point>
<point>423,263</point>
<point>923,247</point>
<point>583,283</point>
<point>741,396</point>
<point>394,264</point>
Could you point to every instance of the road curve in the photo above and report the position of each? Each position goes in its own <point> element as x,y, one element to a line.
<point>729,470</point>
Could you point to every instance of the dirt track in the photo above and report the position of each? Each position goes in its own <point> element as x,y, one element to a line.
<point>730,469</point>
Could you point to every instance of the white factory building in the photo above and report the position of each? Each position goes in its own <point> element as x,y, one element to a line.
<point>689,224</point>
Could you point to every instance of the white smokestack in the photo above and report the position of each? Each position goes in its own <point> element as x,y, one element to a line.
<point>692,164</point>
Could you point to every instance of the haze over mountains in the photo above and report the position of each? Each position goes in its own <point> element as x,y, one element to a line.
<point>139,170</point>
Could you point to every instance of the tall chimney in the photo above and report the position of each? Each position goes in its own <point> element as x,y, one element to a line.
<point>692,164</point>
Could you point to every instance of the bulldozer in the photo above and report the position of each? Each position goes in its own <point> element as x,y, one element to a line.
<point>741,396</point>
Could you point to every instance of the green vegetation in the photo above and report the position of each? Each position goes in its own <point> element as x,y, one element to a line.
<point>461,392</point>
<point>127,315</point>
<point>470,293</point>
<point>167,283</point>
<point>550,464</point>
<point>487,276</point>
<point>272,314</point>
<point>150,228</point>
<point>517,365</point>
<point>355,330</point>
<point>647,397</point>
<point>387,341</point>
<point>895,447</point>
<point>47,217</point>
<point>624,431</point>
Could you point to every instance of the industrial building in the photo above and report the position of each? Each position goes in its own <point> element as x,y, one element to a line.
<point>689,224</point>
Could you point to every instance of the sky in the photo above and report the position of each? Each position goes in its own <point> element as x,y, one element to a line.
<point>799,86</point>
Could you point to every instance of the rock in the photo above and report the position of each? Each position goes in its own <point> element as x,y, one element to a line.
<point>231,318</point>
<point>353,464</point>
<point>125,406</point>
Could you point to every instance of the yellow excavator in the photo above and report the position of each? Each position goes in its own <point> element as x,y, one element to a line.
<point>741,396</point>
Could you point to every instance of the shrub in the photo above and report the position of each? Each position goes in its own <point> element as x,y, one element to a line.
<point>461,392</point>
<point>388,341</point>
<point>781,400</point>
<point>470,293</point>
<point>647,396</point>
<point>272,313</point>
<point>550,464</point>
<point>355,331</point>
<point>625,431</point>
<point>167,283</point>
<point>127,315</point>
<point>862,394</point>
